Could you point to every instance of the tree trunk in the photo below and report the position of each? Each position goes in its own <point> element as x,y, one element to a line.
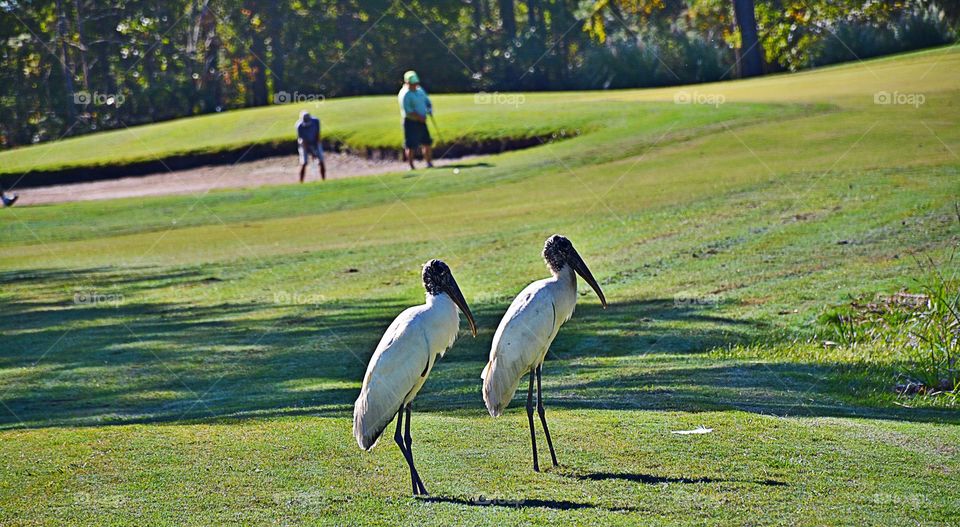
<point>78,21</point>
<point>67,74</point>
<point>277,46</point>
<point>558,24</point>
<point>212,83</point>
<point>477,13</point>
<point>509,19</point>
<point>538,43</point>
<point>751,59</point>
<point>480,45</point>
<point>258,63</point>
<point>351,80</point>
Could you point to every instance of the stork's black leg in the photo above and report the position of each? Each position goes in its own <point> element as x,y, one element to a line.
<point>398,438</point>
<point>533,435</point>
<point>413,471</point>
<point>543,417</point>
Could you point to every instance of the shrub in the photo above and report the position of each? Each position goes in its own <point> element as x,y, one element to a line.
<point>922,26</point>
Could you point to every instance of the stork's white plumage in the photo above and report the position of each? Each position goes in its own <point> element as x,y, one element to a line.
<point>403,360</point>
<point>525,334</point>
<point>401,363</point>
<point>527,330</point>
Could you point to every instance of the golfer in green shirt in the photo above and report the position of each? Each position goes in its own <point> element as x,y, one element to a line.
<point>415,106</point>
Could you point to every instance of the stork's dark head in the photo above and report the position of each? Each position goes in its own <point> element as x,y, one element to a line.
<point>435,275</point>
<point>559,252</point>
<point>437,280</point>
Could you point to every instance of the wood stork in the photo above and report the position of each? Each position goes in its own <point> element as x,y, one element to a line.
<point>527,330</point>
<point>404,358</point>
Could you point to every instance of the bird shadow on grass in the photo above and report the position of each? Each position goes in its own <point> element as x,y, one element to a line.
<point>200,355</point>
<point>521,503</point>
<point>650,479</point>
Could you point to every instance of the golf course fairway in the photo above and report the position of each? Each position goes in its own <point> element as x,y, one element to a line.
<point>194,359</point>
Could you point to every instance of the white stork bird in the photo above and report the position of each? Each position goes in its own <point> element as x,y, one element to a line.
<point>527,330</point>
<point>403,359</point>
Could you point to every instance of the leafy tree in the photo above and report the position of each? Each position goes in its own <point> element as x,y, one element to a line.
<point>75,66</point>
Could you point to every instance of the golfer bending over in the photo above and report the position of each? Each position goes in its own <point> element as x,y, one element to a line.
<point>308,144</point>
<point>415,106</point>
<point>8,200</point>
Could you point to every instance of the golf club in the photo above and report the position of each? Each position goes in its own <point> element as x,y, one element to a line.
<point>436,128</point>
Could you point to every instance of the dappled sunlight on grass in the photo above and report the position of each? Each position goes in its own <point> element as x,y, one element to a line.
<point>211,347</point>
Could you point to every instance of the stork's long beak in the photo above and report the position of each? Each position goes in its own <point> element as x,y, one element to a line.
<point>454,291</point>
<point>581,268</point>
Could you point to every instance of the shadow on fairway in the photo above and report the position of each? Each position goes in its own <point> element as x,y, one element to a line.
<point>522,503</point>
<point>658,480</point>
<point>69,362</point>
<point>435,168</point>
<point>481,164</point>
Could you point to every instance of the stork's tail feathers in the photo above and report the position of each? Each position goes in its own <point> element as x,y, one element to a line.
<point>499,385</point>
<point>369,424</point>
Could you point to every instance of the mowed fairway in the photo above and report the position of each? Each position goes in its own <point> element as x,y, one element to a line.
<point>194,359</point>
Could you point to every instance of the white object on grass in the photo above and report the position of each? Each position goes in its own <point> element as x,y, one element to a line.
<point>698,430</point>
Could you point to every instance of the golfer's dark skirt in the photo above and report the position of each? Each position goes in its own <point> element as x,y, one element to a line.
<point>415,134</point>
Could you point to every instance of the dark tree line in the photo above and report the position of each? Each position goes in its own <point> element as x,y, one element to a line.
<point>73,66</point>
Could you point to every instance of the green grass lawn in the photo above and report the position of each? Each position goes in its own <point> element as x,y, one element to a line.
<point>214,379</point>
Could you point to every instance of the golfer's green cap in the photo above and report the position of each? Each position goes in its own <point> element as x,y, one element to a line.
<point>411,77</point>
